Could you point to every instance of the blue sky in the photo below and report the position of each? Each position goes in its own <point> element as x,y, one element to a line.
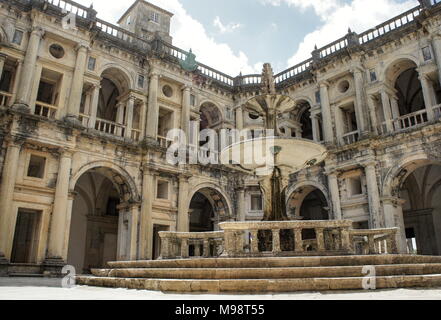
<point>240,35</point>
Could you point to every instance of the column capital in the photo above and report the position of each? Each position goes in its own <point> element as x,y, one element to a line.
<point>186,87</point>
<point>66,152</point>
<point>154,74</point>
<point>357,70</point>
<point>395,201</point>
<point>39,31</point>
<point>3,57</point>
<point>82,47</point>
<point>324,84</point>
<point>183,177</point>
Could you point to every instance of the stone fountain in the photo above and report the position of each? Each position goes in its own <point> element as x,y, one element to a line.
<point>276,158</point>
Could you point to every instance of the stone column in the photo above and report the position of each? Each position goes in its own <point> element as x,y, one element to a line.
<point>76,89</point>
<point>372,114</point>
<point>360,102</point>
<point>185,116</point>
<point>437,49</point>
<point>59,211</point>
<point>385,100</point>
<point>241,214</point>
<point>7,187</point>
<point>393,218</point>
<point>129,117</point>
<point>27,74</point>
<point>146,217</point>
<point>2,63</point>
<point>120,118</point>
<point>183,224</point>
<point>94,105</point>
<point>315,128</point>
<point>335,196</point>
<point>326,113</point>
<point>134,217</point>
<point>428,96</point>
<point>239,118</point>
<point>153,108</point>
<point>373,195</point>
<point>16,80</point>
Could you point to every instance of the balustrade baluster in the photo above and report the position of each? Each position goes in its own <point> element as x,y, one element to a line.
<point>276,241</point>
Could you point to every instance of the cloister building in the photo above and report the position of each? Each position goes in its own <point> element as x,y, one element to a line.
<point>86,107</point>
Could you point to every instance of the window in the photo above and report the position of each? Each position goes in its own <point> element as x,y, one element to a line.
<point>427,54</point>
<point>167,91</point>
<point>141,80</point>
<point>36,167</point>
<point>354,186</point>
<point>154,16</point>
<point>192,100</point>
<point>56,51</point>
<point>129,20</point>
<point>256,202</point>
<point>343,86</point>
<point>229,114</point>
<point>18,37</point>
<point>162,190</point>
<point>91,64</point>
<point>317,97</point>
<point>373,75</point>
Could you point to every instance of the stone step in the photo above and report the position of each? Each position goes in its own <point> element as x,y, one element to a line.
<point>267,273</point>
<point>261,286</point>
<point>278,262</point>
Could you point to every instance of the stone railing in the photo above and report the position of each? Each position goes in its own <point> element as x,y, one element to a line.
<point>133,42</point>
<point>378,241</point>
<point>191,244</point>
<point>45,110</point>
<point>287,238</point>
<point>350,138</point>
<point>5,99</point>
<point>110,127</point>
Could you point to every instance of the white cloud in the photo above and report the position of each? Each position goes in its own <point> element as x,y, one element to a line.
<point>337,17</point>
<point>187,33</point>
<point>225,28</point>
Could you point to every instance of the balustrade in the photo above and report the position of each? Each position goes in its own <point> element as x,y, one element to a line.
<point>5,99</point>
<point>351,137</point>
<point>378,241</point>
<point>45,110</point>
<point>110,127</point>
<point>191,244</point>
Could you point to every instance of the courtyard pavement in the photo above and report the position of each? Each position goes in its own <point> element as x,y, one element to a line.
<point>50,289</point>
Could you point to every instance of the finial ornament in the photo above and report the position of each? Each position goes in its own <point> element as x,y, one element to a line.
<point>268,84</point>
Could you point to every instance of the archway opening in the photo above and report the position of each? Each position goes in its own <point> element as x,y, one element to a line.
<point>421,191</point>
<point>409,92</point>
<point>202,217</point>
<point>308,203</point>
<point>97,235</point>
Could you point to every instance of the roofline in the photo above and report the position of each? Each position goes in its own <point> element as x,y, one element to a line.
<point>145,2</point>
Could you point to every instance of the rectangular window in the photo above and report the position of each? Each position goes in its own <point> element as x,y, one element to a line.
<point>427,54</point>
<point>373,75</point>
<point>192,100</point>
<point>129,20</point>
<point>154,16</point>
<point>354,185</point>
<point>91,64</point>
<point>141,80</point>
<point>36,167</point>
<point>256,202</point>
<point>162,190</point>
<point>317,97</point>
<point>18,37</point>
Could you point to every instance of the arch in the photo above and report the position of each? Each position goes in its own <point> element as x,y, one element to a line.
<point>399,62</point>
<point>121,178</point>
<point>402,169</point>
<point>120,76</point>
<point>211,114</point>
<point>311,187</point>
<point>218,190</point>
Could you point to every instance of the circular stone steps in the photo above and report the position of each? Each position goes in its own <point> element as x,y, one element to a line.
<point>268,275</point>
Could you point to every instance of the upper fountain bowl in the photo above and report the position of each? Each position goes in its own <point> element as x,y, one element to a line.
<point>263,154</point>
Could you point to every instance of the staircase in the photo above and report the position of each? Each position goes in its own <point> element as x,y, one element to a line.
<point>268,275</point>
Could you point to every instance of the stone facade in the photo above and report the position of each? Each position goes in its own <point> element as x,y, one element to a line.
<point>86,108</point>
